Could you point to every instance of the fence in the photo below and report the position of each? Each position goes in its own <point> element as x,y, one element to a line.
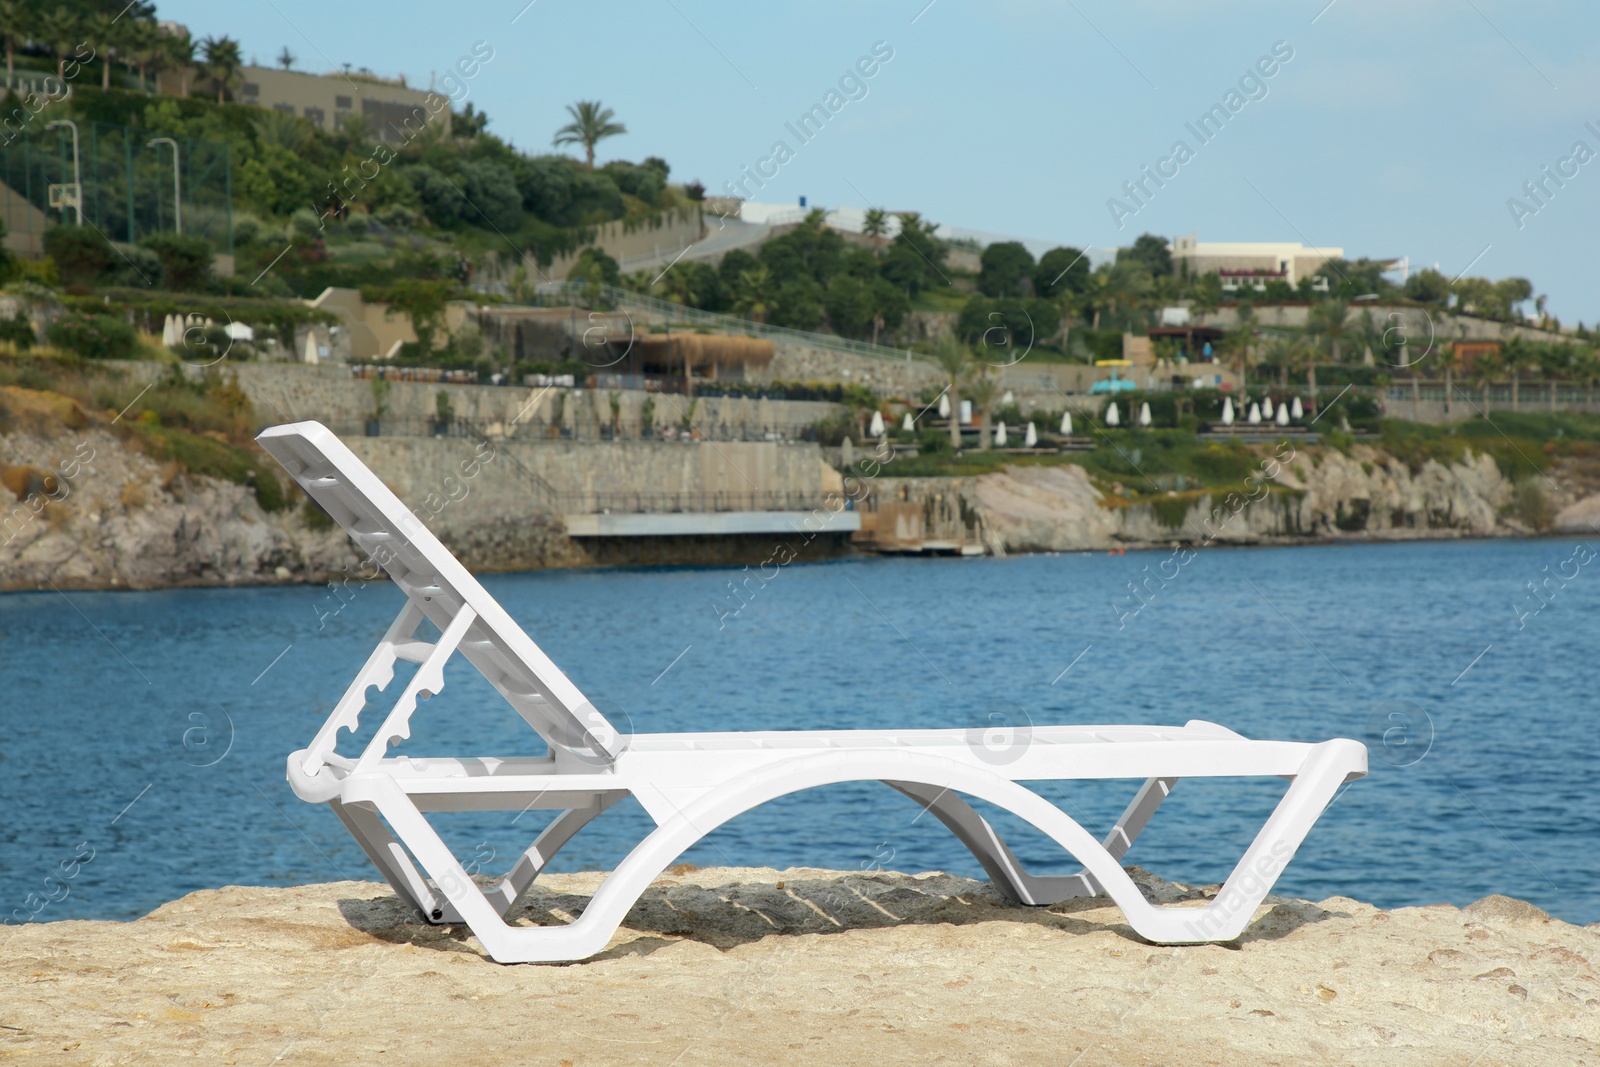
<point>560,294</point>
<point>126,188</point>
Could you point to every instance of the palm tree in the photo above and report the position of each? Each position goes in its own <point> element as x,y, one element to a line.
<point>1448,361</point>
<point>144,49</point>
<point>110,33</point>
<point>954,359</point>
<point>179,55</point>
<point>59,30</point>
<point>1515,354</point>
<point>17,23</point>
<point>875,226</point>
<point>287,58</point>
<point>1327,322</point>
<point>222,63</point>
<point>1099,293</point>
<point>286,131</point>
<point>1482,374</point>
<point>591,123</point>
<point>752,294</point>
<point>981,389</point>
<point>678,286</point>
<point>1245,335</point>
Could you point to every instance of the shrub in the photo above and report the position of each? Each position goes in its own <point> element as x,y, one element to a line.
<point>93,336</point>
<point>185,259</point>
<point>19,331</point>
<point>81,253</point>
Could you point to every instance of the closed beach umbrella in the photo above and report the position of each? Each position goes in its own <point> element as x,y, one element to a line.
<point>1227,411</point>
<point>169,332</point>
<point>1112,418</point>
<point>1144,413</point>
<point>1066,424</point>
<point>876,429</point>
<point>1266,408</point>
<point>1297,412</point>
<point>1255,414</point>
<point>908,424</point>
<point>1009,398</point>
<point>1030,438</point>
<point>1283,415</point>
<point>1000,436</point>
<point>944,405</point>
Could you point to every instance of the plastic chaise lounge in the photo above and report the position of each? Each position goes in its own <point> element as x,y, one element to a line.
<point>691,783</point>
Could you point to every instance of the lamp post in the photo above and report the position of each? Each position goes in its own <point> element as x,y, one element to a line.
<point>77,175</point>
<point>177,188</point>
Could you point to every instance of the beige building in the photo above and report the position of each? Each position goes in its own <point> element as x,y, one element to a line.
<point>1249,263</point>
<point>389,107</point>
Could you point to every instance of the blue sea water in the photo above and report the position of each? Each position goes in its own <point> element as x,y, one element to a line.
<point>143,735</point>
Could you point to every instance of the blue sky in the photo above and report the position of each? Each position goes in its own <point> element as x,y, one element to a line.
<point>1397,128</point>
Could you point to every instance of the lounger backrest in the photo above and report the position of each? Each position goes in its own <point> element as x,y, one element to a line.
<point>438,585</point>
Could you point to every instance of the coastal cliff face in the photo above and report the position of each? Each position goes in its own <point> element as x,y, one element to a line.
<point>806,966</point>
<point>81,509</point>
<point>95,514</point>
<point>1300,496</point>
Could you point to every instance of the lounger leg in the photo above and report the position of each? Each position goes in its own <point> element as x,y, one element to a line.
<point>1132,822</point>
<point>1002,865</point>
<point>539,854</point>
<point>388,856</point>
<point>974,831</point>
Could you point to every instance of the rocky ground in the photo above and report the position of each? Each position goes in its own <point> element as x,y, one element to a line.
<point>725,966</point>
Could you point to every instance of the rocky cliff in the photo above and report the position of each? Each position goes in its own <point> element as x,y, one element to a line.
<point>725,966</point>
<point>1295,497</point>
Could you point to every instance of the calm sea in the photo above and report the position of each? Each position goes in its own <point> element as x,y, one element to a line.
<point>149,730</point>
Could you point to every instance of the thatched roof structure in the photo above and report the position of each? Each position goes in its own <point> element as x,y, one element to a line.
<point>703,350</point>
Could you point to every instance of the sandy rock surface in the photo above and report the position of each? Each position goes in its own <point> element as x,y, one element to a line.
<point>723,966</point>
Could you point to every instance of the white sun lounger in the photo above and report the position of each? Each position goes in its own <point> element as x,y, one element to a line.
<point>690,784</point>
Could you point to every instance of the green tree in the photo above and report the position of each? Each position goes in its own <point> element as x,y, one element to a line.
<point>1061,271</point>
<point>1206,294</point>
<point>1428,286</point>
<point>1149,252</point>
<point>1006,269</point>
<point>423,302</point>
<point>591,123</point>
<point>915,258</point>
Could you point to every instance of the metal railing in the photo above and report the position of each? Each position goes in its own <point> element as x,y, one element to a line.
<point>533,431</point>
<point>690,502</point>
<point>570,292</point>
